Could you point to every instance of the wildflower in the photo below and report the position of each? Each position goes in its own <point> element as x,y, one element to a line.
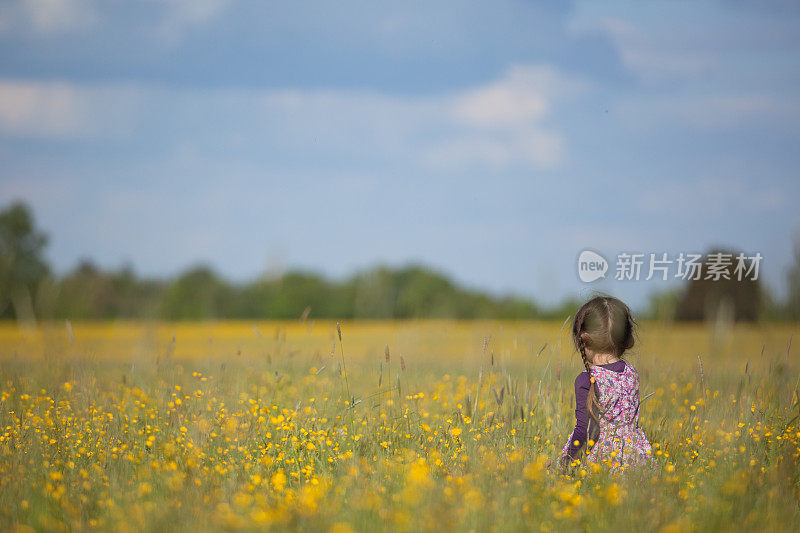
<point>278,481</point>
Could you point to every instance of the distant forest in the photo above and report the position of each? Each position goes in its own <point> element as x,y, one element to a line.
<point>29,290</point>
<point>199,293</point>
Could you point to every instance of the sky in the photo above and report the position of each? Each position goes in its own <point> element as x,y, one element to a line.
<point>493,141</point>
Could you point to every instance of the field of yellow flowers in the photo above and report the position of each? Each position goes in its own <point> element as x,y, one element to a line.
<point>413,426</point>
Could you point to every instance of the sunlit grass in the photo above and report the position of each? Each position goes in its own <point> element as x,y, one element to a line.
<point>249,425</point>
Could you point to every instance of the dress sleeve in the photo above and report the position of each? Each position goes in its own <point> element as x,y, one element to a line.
<point>581,415</point>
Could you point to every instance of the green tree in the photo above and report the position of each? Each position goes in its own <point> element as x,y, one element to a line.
<point>424,293</point>
<point>22,267</point>
<point>90,293</point>
<point>375,293</point>
<point>708,298</point>
<point>197,294</point>
<point>793,282</point>
<point>662,304</point>
<point>566,309</point>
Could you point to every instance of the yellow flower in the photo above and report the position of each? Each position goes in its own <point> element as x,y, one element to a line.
<point>278,481</point>
<point>418,474</point>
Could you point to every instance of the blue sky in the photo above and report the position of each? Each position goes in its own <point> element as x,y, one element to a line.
<point>491,140</point>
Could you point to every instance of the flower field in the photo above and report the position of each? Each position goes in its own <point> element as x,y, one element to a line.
<point>413,426</point>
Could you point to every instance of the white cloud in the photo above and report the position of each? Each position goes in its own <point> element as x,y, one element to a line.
<point>718,111</point>
<point>510,101</point>
<point>716,196</point>
<point>47,17</point>
<point>538,149</point>
<point>503,122</point>
<point>60,15</point>
<point>42,110</point>
<point>654,57</point>
<point>498,124</point>
<point>695,75</point>
<point>196,11</point>
<point>180,15</point>
<point>57,110</point>
<point>523,96</point>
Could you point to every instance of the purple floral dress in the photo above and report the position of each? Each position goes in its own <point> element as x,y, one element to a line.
<point>621,441</point>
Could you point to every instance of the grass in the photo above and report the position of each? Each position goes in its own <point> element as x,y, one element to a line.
<point>246,426</point>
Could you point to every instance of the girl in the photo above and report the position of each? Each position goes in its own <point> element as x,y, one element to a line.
<point>607,392</point>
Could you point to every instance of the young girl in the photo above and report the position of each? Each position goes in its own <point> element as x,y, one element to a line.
<point>607,392</point>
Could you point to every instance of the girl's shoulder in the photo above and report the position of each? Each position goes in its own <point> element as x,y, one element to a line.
<point>582,381</point>
<point>630,368</point>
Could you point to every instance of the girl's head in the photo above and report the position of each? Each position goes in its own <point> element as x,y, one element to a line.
<point>603,325</point>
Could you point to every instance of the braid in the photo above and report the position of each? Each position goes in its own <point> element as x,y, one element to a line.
<point>585,360</point>
<point>591,398</point>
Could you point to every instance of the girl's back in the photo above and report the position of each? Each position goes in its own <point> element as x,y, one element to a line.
<point>620,438</point>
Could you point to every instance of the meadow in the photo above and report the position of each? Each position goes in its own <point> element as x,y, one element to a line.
<point>405,425</point>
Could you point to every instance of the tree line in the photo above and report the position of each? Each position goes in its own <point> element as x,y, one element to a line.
<point>30,290</point>
<point>200,293</point>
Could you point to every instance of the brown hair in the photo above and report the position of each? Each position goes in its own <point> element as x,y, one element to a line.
<point>604,325</point>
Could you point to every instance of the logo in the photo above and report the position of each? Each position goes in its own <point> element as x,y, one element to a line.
<point>713,266</point>
<point>591,266</point>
